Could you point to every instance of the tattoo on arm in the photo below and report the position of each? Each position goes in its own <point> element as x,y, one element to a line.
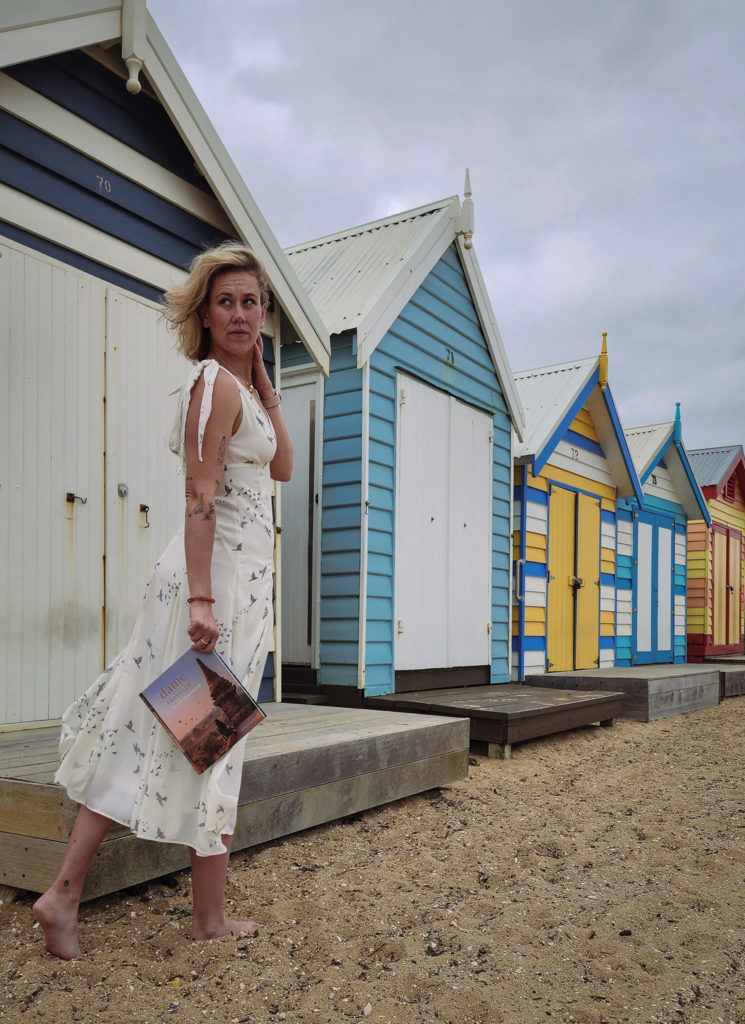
<point>199,508</point>
<point>221,452</point>
<point>210,513</point>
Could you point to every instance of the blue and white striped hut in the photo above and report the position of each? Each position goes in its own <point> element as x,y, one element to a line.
<point>396,547</point>
<point>651,576</point>
<point>111,180</point>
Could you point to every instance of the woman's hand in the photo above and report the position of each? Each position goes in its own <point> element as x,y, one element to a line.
<point>259,376</point>
<point>203,631</point>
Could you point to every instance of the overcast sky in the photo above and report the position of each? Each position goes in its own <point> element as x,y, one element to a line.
<point>605,140</point>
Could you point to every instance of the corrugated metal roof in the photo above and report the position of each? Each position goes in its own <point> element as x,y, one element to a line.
<point>546,394</point>
<point>345,272</point>
<point>709,465</point>
<point>645,442</point>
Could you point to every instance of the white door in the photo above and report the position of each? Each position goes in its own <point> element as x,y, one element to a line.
<point>302,406</point>
<point>51,484</point>
<point>470,539</point>
<point>654,605</point>
<point>443,531</point>
<point>144,490</point>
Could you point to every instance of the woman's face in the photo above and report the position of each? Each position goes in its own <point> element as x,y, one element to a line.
<point>233,313</point>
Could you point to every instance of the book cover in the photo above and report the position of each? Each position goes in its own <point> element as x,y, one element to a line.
<point>203,706</point>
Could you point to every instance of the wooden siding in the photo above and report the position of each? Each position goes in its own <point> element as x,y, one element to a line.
<point>438,338</point>
<point>340,523</point>
<point>91,187</point>
<point>81,85</point>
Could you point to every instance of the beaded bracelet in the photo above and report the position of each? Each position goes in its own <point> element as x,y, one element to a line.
<point>207,600</point>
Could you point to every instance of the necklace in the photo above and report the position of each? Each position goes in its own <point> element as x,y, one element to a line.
<point>245,383</point>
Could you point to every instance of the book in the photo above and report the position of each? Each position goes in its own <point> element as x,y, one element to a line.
<point>203,706</point>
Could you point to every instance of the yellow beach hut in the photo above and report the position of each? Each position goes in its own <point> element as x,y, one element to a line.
<point>569,473</point>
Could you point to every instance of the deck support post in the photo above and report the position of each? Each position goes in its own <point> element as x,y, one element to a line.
<point>503,751</point>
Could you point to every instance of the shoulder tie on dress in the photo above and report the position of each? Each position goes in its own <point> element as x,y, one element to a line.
<point>177,439</point>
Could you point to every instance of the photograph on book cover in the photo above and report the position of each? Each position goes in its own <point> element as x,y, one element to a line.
<point>203,706</point>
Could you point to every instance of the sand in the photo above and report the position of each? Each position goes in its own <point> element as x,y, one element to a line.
<point>596,877</point>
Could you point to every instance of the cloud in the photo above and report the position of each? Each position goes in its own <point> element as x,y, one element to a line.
<point>605,142</point>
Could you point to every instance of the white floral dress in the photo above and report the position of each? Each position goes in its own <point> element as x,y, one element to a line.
<point>115,757</point>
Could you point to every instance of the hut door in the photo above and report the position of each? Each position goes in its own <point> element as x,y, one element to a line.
<point>573,602</point>
<point>144,491</point>
<point>302,397</point>
<point>51,484</point>
<point>653,593</point>
<point>443,531</point>
<point>727,569</point>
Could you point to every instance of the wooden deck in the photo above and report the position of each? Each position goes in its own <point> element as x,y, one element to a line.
<point>304,766</point>
<point>508,713</point>
<point>650,691</point>
<point>732,679</point>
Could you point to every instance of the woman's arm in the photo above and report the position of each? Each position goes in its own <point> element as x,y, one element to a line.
<point>280,467</point>
<point>202,480</point>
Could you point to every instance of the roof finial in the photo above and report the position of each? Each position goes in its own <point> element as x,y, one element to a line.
<point>466,214</point>
<point>134,28</point>
<point>676,425</point>
<point>603,363</point>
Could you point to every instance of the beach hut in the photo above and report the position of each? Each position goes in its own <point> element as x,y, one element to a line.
<point>397,522</point>
<point>716,558</point>
<point>111,179</point>
<point>571,469</point>
<point>651,550</point>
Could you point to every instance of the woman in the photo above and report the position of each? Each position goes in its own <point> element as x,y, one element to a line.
<point>212,587</point>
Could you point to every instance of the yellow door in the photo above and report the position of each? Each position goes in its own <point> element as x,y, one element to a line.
<point>561,548</point>
<point>573,612</point>
<point>587,587</point>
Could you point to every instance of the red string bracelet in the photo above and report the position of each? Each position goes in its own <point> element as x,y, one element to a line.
<point>207,600</point>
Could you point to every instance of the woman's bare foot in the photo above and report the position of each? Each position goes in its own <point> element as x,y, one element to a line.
<point>58,917</point>
<point>217,930</point>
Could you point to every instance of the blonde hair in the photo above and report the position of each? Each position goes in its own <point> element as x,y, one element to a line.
<point>182,302</point>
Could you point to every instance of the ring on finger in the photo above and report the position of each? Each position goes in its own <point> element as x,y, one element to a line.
<point>205,642</point>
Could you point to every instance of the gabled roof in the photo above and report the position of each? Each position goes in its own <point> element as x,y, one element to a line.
<point>360,279</point>
<point>552,396</point>
<point>39,28</point>
<point>647,444</point>
<point>713,467</point>
<point>650,445</point>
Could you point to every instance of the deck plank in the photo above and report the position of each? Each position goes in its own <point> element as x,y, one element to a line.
<point>304,766</point>
<point>508,713</point>
<point>650,691</point>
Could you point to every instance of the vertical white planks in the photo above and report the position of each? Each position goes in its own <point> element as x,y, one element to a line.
<point>142,371</point>
<point>443,531</point>
<point>470,536</point>
<point>421,584</point>
<point>644,588</point>
<point>664,588</point>
<point>51,595</point>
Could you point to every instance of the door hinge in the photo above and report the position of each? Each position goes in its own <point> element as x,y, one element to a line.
<point>488,628</point>
<point>597,662</point>
<point>399,626</point>
<point>549,664</point>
